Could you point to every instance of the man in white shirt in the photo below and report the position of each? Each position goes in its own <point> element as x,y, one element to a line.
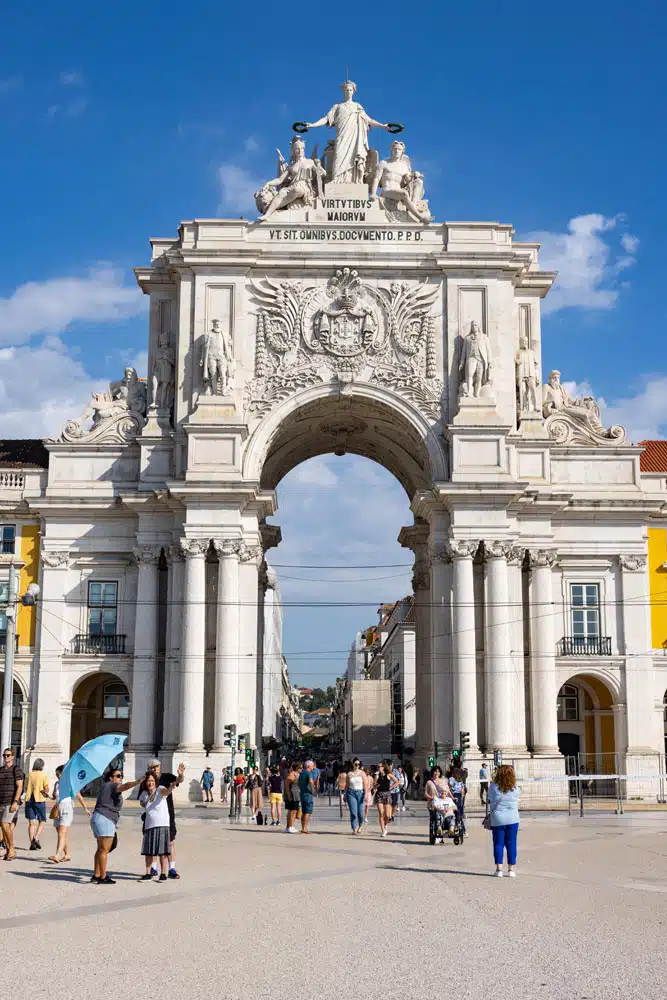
<point>484,778</point>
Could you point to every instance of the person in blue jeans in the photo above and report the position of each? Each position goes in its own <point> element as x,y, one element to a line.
<point>504,816</point>
<point>307,792</point>
<point>355,794</point>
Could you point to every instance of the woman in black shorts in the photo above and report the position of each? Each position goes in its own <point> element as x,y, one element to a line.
<point>384,786</point>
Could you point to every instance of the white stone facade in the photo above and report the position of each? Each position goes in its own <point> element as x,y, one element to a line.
<point>340,323</point>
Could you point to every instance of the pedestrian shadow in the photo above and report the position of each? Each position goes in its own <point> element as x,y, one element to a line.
<point>435,871</point>
<point>78,875</point>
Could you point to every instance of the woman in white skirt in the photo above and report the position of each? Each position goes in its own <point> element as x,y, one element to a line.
<point>156,826</point>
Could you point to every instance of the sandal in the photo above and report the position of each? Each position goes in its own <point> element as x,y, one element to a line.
<point>10,857</point>
<point>55,860</point>
<point>66,858</point>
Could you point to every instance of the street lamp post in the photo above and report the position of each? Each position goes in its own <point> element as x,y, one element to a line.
<point>8,686</point>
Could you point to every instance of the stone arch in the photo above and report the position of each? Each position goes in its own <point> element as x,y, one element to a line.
<point>361,419</point>
<point>593,731</point>
<point>92,713</point>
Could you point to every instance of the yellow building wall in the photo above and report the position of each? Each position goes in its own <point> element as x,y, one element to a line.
<point>657,555</point>
<point>27,616</point>
<point>608,743</point>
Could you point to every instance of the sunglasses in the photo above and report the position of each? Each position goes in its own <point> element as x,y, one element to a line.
<point>117,774</point>
<point>8,755</point>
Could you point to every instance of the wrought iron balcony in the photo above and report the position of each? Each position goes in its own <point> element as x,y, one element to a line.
<point>95,645</point>
<point>582,645</point>
<point>3,642</point>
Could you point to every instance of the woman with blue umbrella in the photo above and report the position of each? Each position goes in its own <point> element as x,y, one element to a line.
<point>105,819</point>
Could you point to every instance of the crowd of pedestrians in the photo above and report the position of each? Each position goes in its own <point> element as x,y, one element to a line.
<point>291,788</point>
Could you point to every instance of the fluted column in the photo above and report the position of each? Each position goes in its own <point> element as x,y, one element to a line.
<point>543,686</point>
<point>464,659</point>
<point>497,661</point>
<point>421,584</point>
<point>174,633</point>
<point>144,670</point>
<point>226,639</point>
<point>193,647</point>
<point>250,560</point>
<point>517,662</point>
<point>441,639</point>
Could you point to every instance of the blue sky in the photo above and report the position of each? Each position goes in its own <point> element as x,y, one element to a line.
<point>120,121</point>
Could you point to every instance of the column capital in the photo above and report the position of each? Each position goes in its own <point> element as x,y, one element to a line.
<point>462,548</point>
<point>193,547</point>
<point>55,558</point>
<point>175,553</point>
<point>540,558</point>
<point>516,555</point>
<point>146,555</point>
<point>228,546</point>
<point>497,549</point>
<point>633,562</point>
<point>251,553</point>
<point>439,552</point>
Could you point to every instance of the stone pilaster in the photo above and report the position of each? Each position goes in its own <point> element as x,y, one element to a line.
<point>543,684</point>
<point>464,661</point>
<point>144,668</point>
<point>193,647</point>
<point>227,639</point>
<point>497,662</point>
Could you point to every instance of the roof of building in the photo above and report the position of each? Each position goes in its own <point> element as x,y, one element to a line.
<point>654,458</point>
<point>16,452</point>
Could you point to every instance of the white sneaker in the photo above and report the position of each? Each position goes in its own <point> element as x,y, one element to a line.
<point>511,874</point>
<point>291,829</point>
<point>498,874</point>
<point>384,833</point>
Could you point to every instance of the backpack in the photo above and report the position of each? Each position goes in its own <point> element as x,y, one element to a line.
<point>260,819</point>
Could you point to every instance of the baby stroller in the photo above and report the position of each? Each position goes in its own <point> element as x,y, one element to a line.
<point>444,822</point>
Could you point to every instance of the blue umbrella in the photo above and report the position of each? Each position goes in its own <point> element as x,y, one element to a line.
<point>90,762</point>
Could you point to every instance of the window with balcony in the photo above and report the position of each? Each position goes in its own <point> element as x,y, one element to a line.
<point>568,703</point>
<point>102,608</point>
<point>7,537</point>
<point>585,638</point>
<point>116,701</point>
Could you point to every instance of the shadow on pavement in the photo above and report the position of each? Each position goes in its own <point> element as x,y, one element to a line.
<point>435,871</point>
<point>80,875</point>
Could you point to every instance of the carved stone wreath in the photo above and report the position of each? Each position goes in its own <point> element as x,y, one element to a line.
<point>346,329</point>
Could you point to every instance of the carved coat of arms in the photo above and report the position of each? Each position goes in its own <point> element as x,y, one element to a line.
<point>347,329</point>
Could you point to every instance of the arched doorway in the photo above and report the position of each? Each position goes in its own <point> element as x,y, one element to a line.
<point>100,704</point>
<point>586,725</point>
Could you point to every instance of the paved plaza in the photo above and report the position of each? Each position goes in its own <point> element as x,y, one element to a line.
<point>258,913</point>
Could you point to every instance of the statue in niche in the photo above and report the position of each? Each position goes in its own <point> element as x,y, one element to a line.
<point>348,164</point>
<point>475,363</point>
<point>126,395</point>
<point>528,377</point>
<point>299,183</point>
<point>163,373</point>
<point>216,359</point>
<point>402,187</point>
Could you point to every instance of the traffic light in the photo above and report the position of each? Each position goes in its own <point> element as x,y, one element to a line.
<point>456,756</point>
<point>248,755</point>
<point>464,741</point>
<point>431,761</point>
<point>437,754</point>
<point>230,736</point>
<point>242,742</point>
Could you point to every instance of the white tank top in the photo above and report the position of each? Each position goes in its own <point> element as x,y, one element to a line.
<point>355,782</point>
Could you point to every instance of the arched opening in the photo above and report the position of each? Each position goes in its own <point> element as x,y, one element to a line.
<point>586,725</point>
<point>17,716</point>
<point>100,704</point>
<point>346,462</point>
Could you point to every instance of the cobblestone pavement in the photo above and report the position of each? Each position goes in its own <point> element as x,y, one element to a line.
<point>258,913</point>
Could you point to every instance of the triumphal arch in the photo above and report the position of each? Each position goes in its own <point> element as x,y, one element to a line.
<point>343,318</point>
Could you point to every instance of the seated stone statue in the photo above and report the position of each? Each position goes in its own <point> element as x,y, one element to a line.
<point>402,187</point>
<point>570,420</point>
<point>299,184</point>
<point>124,397</point>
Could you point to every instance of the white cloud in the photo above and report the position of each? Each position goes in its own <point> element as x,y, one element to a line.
<point>588,262</point>
<point>237,188</point>
<point>71,109</point>
<point>51,306</point>
<point>316,472</point>
<point>251,145</point>
<point>71,78</point>
<point>40,388</point>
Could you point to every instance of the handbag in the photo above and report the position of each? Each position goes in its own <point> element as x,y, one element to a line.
<point>486,822</point>
<point>114,843</point>
<point>55,812</point>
